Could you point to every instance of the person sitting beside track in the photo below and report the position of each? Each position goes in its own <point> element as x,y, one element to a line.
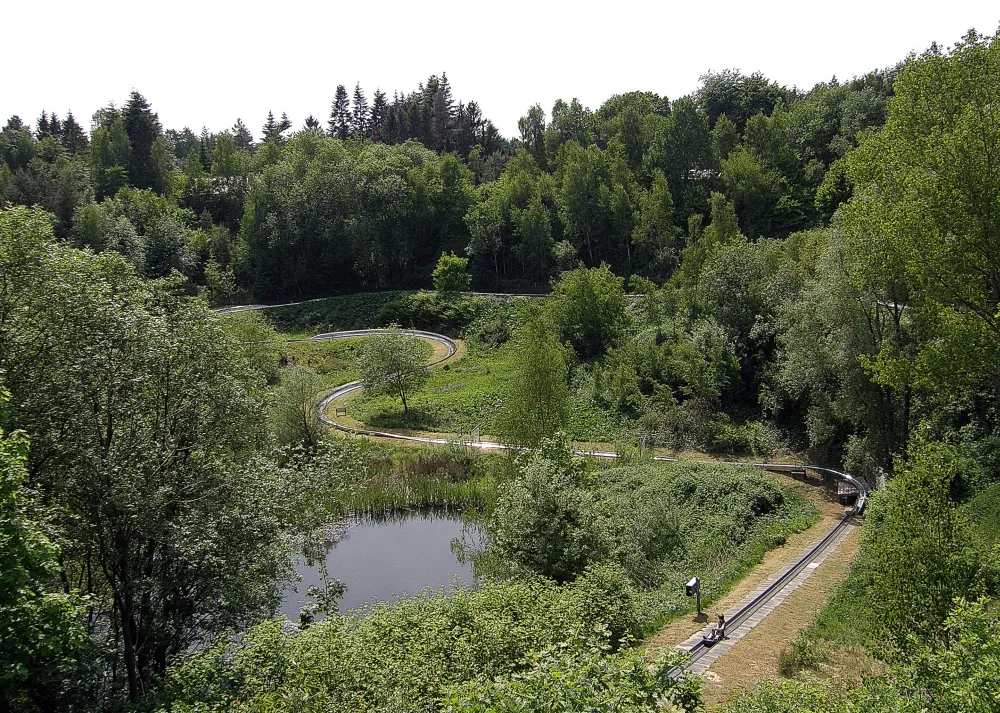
<point>717,632</point>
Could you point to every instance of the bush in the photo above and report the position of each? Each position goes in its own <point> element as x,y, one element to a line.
<point>719,433</point>
<point>407,656</point>
<point>430,311</point>
<point>294,420</point>
<point>589,309</point>
<point>493,325</point>
<point>575,677</point>
<point>452,273</point>
<point>802,653</point>
<point>544,520</point>
<point>335,313</point>
<point>913,567</point>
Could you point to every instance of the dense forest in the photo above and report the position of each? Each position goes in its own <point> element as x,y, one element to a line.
<point>369,201</point>
<point>748,271</point>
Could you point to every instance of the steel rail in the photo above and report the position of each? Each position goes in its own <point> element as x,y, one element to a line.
<point>700,648</point>
<point>233,309</point>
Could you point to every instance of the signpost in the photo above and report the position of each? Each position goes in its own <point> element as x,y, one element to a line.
<point>693,588</point>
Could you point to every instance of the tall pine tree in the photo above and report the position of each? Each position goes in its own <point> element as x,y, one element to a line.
<point>42,126</point>
<point>442,116</point>
<point>284,125</point>
<point>340,115</point>
<point>359,117</point>
<point>73,137</point>
<point>242,136</point>
<point>143,127</point>
<point>270,127</point>
<point>378,128</point>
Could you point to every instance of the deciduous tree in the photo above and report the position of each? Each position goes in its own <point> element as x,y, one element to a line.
<point>393,363</point>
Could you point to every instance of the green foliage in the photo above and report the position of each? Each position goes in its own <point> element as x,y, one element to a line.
<point>451,273</point>
<point>917,553</point>
<point>963,676</point>
<point>326,215</point>
<point>407,656</point>
<point>650,526</point>
<point>493,325</point>
<point>257,341</point>
<point>388,480</point>
<point>738,96</point>
<point>535,402</point>
<point>42,640</point>
<point>783,696</point>
<point>588,309</point>
<point>803,652</point>
<point>441,312</point>
<point>393,363</point>
<point>294,417</point>
<point>545,520</point>
<point>960,676</point>
<point>926,201</point>
<point>572,677</point>
<point>151,232</point>
<point>150,453</point>
<point>983,512</point>
<point>331,314</point>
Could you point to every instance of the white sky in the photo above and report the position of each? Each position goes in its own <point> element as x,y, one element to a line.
<point>211,61</point>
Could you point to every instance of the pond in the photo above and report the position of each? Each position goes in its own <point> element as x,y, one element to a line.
<point>379,558</point>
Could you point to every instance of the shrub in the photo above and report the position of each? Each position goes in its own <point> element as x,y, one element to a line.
<point>589,309</point>
<point>406,656</point>
<point>575,677</point>
<point>801,653</point>
<point>452,273</point>
<point>427,310</point>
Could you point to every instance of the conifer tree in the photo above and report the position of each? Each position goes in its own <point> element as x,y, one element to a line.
<point>42,126</point>
<point>491,139</point>
<point>340,115</point>
<point>55,126</point>
<point>442,117</point>
<point>378,126</point>
<point>242,136</point>
<point>426,110</point>
<point>284,125</point>
<point>270,128</point>
<point>73,136</point>
<point>312,123</point>
<point>397,123</point>
<point>204,155</point>
<point>143,127</point>
<point>359,117</point>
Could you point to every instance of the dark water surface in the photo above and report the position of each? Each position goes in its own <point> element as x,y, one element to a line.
<point>380,558</point>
